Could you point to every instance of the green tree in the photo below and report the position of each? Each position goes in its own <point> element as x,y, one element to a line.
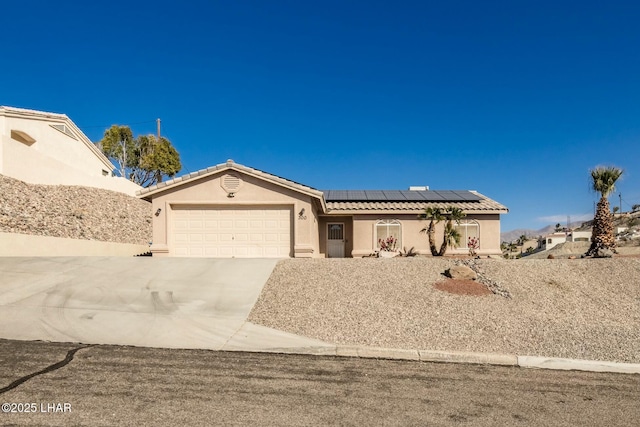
<point>117,144</point>
<point>153,160</point>
<point>558,227</point>
<point>144,160</point>
<point>522,239</point>
<point>434,216</point>
<point>603,182</point>
<point>451,234</point>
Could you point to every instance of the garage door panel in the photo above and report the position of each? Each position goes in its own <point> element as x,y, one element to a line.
<point>241,238</point>
<point>225,237</point>
<point>225,252</point>
<point>181,238</point>
<point>220,232</point>
<point>196,238</point>
<point>195,251</point>
<point>211,238</point>
<point>212,251</point>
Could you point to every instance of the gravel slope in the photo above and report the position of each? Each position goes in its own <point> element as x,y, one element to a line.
<point>584,309</point>
<point>73,211</point>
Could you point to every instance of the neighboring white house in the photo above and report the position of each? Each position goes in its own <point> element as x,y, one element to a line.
<point>579,236</point>
<point>553,239</point>
<point>48,148</point>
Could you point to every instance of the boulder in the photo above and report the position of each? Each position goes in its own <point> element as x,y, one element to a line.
<point>550,256</point>
<point>461,272</point>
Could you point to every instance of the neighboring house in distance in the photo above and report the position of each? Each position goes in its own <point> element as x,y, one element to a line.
<point>231,210</point>
<point>48,148</point>
<point>579,236</point>
<point>553,239</point>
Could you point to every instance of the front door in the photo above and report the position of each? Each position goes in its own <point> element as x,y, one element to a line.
<point>335,240</point>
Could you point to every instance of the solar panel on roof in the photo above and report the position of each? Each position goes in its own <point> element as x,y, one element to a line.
<point>450,196</point>
<point>401,196</point>
<point>375,196</point>
<point>394,195</point>
<point>431,196</point>
<point>358,195</point>
<point>467,195</point>
<point>345,195</point>
<point>414,196</point>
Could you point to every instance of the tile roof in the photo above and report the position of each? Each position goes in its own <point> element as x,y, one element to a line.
<point>481,204</point>
<point>354,201</point>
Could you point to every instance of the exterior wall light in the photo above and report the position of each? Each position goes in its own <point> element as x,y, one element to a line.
<point>158,211</point>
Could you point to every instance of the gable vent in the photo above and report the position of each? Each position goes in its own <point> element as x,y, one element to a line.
<point>64,129</point>
<point>231,183</point>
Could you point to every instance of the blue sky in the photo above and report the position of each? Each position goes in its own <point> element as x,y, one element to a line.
<point>514,99</point>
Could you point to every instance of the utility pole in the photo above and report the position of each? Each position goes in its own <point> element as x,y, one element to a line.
<point>620,210</point>
<point>158,120</point>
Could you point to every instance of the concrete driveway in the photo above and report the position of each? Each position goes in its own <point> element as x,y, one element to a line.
<point>148,302</point>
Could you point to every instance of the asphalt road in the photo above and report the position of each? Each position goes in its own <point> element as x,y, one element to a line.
<point>115,385</point>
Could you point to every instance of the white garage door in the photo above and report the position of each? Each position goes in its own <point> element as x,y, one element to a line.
<point>259,232</point>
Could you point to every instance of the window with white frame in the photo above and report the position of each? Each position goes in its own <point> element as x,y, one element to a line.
<point>469,230</point>
<point>388,235</point>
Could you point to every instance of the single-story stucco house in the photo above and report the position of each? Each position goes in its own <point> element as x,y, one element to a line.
<point>48,148</point>
<point>230,210</point>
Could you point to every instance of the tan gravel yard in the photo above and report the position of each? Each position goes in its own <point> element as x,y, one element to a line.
<point>583,308</point>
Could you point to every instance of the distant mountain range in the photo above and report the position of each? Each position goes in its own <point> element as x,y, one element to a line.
<point>509,236</point>
<point>618,220</point>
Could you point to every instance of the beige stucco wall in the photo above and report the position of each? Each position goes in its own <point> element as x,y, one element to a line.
<point>254,192</point>
<point>364,244</point>
<point>54,158</point>
<point>13,244</point>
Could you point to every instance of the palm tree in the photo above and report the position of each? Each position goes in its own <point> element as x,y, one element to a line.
<point>602,237</point>
<point>451,235</point>
<point>434,215</point>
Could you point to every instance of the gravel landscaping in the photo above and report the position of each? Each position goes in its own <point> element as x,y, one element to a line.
<point>73,211</point>
<point>582,308</point>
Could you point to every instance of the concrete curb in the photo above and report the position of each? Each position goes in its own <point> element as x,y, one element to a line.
<point>577,365</point>
<point>532,362</point>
